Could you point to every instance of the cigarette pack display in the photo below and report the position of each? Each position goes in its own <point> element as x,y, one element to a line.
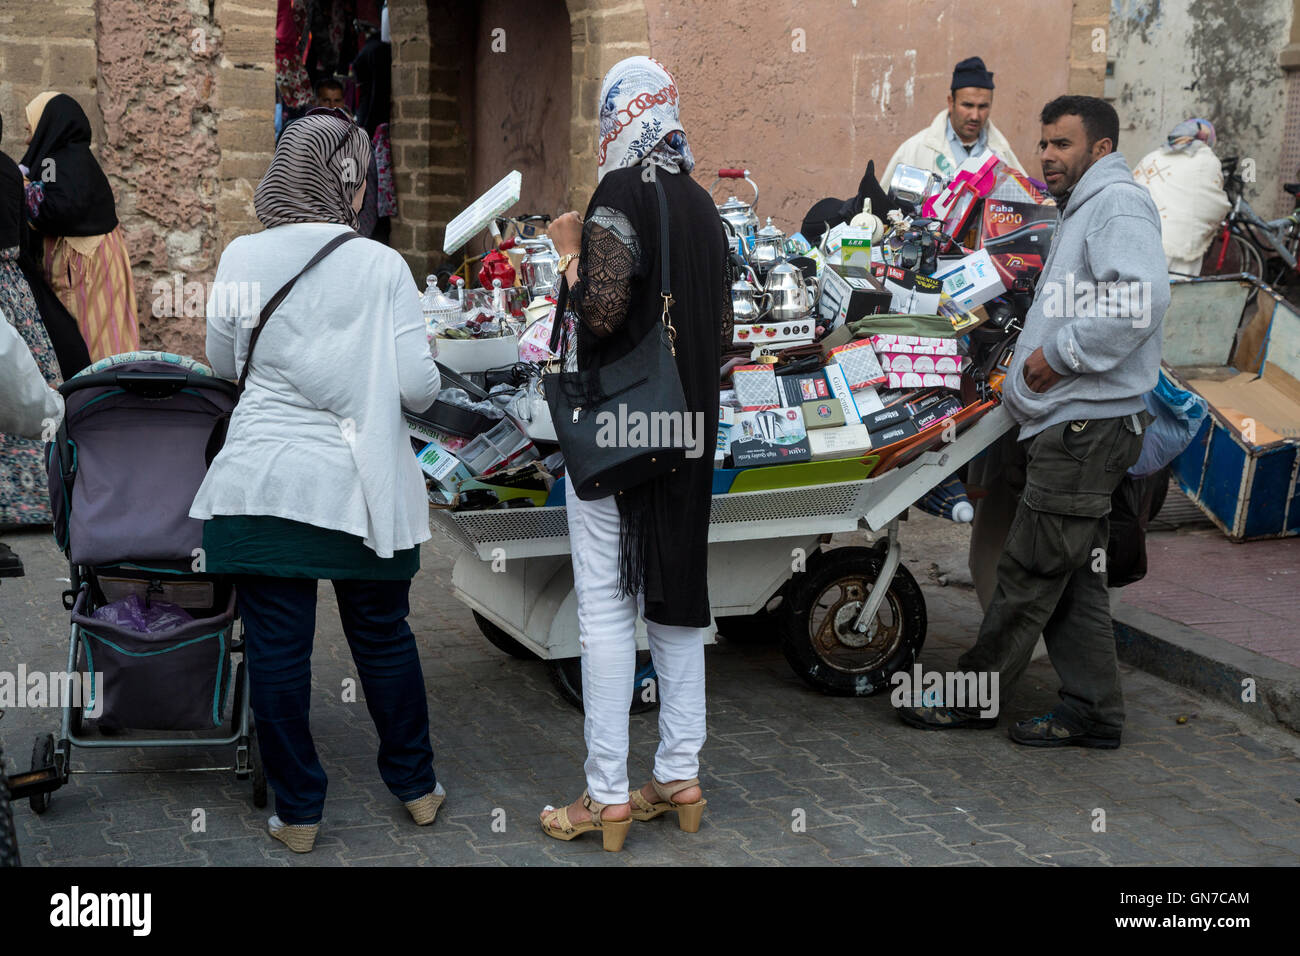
<point>797,389</point>
<point>893,433</point>
<point>859,363</point>
<point>756,387</point>
<point>823,413</point>
<point>769,437</point>
<point>847,441</point>
<point>839,386</point>
<point>945,409</point>
<point>913,344</point>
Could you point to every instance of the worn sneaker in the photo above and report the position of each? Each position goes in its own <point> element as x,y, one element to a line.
<point>944,718</point>
<point>1051,731</point>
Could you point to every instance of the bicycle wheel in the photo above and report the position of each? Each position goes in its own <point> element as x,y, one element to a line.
<point>1239,256</point>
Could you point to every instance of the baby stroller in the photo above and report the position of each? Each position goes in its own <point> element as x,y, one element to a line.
<point>123,470</point>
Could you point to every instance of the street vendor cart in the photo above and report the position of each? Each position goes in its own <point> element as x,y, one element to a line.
<point>848,617</point>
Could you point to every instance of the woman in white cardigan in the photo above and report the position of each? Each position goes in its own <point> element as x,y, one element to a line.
<point>317,479</point>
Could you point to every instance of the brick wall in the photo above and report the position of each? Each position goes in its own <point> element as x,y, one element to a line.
<point>433,87</point>
<point>52,50</point>
<point>181,109</point>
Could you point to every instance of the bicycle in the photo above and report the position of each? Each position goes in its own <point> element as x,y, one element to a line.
<point>1266,249</point>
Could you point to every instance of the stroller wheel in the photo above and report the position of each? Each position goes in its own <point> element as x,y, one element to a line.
<point>42,759</point>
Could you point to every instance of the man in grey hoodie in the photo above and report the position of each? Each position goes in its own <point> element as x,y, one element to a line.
<point>1089,351</point>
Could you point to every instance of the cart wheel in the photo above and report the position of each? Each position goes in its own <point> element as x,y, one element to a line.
<point>502,641</point>
<point>8,832</point>
<point>42,759</point>
<point>566,675</point>
<point>821,605</point>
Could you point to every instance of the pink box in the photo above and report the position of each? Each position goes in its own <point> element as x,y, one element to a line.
<point>915,345</point>
<point>924,380</point>
<point>907,362</point>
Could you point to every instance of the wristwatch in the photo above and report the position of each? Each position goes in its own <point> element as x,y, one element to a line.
<point>565,261</point>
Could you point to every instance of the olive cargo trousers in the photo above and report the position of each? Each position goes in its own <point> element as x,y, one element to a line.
<point>1051,576</point>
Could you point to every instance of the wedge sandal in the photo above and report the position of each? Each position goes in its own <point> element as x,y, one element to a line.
<point>688,814</point>
<point>424,810</point>
<point>612,832</point>
<point>299,837</point>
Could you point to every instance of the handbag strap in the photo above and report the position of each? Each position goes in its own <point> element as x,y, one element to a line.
<point>284,291</point>
<point>665,289</point>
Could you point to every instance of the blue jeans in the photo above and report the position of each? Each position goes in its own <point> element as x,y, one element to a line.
<point>279,616</point>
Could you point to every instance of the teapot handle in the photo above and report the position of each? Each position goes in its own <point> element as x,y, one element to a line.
<point>736,174</point>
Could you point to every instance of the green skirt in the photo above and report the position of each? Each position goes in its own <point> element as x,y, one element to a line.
<point>280,548</point>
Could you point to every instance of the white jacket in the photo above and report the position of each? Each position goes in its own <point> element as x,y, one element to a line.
<point>1187,187</point>
<point>318,435</point>
<point>28,406</point>
<point>925,148</point>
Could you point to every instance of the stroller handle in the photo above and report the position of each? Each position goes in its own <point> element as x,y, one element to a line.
<point>149,384</point>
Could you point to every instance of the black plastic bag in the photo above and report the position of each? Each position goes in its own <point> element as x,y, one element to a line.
<point>1132,506</point>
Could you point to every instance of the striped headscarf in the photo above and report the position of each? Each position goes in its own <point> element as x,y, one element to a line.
<point>319,164</point>
<point>639,118</point>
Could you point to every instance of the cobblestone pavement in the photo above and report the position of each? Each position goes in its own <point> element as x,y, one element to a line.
<point>1217,788</point>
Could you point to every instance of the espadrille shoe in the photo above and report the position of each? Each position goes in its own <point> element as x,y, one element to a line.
<point>424,810</point>
<point>299,837</point>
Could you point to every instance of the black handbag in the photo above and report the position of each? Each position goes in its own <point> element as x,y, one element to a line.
<point>637,401</point>
<point>221,425</point>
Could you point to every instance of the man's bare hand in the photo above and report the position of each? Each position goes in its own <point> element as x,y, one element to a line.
<point>1040,376</point>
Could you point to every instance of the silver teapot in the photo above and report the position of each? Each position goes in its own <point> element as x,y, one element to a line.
<point>738,217</point>
<point>769,247</point>
<point>790,294</point>
<point>746,293</point>
<point>539,270</point>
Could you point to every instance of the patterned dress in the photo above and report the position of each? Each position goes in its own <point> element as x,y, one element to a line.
<point>24,497</point>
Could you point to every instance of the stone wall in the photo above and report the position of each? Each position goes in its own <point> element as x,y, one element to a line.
<point>434,101</point>
<point>46,47</point>
<point>180,96</point>
<point>1217,59</point>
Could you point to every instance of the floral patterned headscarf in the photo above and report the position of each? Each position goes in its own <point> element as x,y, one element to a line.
<point>639,118</point>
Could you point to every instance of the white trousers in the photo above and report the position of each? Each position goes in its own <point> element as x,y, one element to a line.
<point>607,632</point>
